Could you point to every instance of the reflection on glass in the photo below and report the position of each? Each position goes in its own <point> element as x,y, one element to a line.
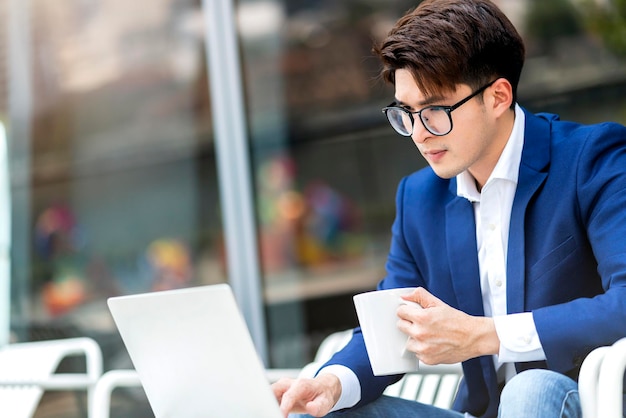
<point>123,188</point>
<point>327,165</point>
<point>304,227</point>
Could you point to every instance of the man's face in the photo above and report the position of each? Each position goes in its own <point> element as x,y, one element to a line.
<point>473,143</point>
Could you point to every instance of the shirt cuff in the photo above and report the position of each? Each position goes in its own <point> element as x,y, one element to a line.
<point>350,386</point>
<point>518,336</point>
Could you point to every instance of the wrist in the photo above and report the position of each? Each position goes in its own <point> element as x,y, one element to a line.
<point>489,343</point>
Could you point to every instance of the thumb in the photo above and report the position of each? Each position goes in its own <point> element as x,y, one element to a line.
<point>424,298</point>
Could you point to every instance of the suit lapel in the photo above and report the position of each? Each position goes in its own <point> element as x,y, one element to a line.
<point>533,172</point>
<point>463,254</point>
<point>461,229</point>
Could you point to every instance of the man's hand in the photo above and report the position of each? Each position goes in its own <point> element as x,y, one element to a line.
<point>315,397</point>
<point>440,334</point>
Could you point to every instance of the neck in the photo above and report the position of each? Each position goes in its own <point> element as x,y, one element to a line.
<point>501,135</point>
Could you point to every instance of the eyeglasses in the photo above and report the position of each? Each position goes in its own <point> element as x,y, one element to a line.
<point>436,119</point>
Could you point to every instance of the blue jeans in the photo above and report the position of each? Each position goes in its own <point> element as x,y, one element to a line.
<point>540,393</point>
<point>533,393</point>
<point>391,407</point>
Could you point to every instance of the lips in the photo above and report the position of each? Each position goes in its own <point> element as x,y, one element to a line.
<point>434,155</point>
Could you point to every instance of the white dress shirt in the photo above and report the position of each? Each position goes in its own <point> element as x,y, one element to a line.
<point>492,214</point>
<point>492,210</point>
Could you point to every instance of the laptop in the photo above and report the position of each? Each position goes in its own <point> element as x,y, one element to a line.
<point>194,354</point>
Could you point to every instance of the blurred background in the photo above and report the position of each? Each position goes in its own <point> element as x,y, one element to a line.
<point>114,175</point>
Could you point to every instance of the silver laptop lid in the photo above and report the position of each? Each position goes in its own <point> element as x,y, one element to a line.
<point>194,354</point>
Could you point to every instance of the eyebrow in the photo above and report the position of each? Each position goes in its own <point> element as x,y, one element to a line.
<point>426,102</point>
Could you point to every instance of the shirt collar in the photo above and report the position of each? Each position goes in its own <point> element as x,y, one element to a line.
<point>507,167</point>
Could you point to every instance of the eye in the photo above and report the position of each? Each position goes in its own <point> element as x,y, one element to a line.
<point>402,106</point>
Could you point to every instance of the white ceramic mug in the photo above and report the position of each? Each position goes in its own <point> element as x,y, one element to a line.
<point>384,342</point>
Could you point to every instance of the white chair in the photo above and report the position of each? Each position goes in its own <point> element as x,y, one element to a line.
<point>329,346</point>
<point>434,385</point>
<point>29,369</point>
<point>108,382</point>
<point>601,381</point>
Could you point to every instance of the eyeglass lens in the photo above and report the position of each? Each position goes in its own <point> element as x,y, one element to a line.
<point>435,119</point>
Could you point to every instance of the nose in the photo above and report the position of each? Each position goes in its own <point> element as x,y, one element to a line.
<point>420,133</point>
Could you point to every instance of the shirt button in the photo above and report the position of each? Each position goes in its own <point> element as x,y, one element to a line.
<point>499,283</point>
<point>526,339</point>
<point>492,227</point>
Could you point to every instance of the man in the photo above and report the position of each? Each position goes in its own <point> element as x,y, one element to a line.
<point>515,234</point>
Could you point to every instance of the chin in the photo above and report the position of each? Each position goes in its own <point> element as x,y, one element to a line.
<point>444,174</point>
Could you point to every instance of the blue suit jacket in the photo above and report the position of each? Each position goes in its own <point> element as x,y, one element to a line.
<point>566,255</point>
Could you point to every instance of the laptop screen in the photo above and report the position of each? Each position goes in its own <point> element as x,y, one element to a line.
<point>194,354</point>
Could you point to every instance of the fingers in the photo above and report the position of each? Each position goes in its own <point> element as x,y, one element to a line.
<point>423,321</point>
<point>311,396</point>
<point>296,396</point>
<point>410,311</point>
<point>289,395</point>
<point>409,325</point>
<point>280,387</point>
<point>423,298</point>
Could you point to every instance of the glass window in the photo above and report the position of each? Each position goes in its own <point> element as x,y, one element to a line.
<point>118,191</point>
<point>320,153</point>
<point>326,162</point>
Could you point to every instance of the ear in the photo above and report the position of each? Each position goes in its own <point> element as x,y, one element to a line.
<point>501,96</point>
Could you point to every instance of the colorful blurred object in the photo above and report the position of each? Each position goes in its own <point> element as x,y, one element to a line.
<point>57,243</point>
<point>170,263</point>
<point>303,228</point>
<point>56,232</point>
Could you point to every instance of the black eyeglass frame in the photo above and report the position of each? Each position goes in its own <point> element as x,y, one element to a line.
<point>447,109</point>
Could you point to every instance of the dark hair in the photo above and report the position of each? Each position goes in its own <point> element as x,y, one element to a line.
<point>444,43</point>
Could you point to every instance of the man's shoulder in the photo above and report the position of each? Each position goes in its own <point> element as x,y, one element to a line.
<point>571,129</point>
<point>568,139</point>
<point>581,151</point>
